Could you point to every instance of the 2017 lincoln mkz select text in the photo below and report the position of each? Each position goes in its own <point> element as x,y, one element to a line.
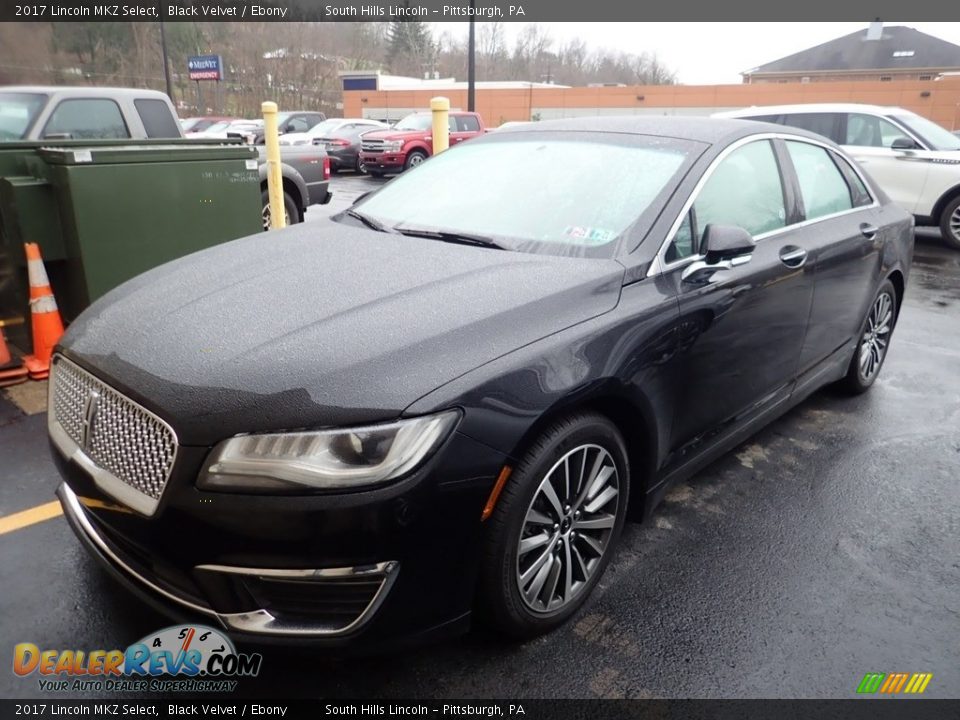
<point>444,402</point>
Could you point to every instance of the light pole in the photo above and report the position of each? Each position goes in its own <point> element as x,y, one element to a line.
<point>472,61</point>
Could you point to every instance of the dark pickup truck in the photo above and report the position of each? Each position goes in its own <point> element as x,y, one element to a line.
<point>37,112</point>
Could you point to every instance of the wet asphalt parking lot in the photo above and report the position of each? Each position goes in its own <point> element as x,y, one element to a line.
<point>825,547</point>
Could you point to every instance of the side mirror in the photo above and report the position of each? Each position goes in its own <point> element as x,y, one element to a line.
<point>903,143</point>
<point>287,128</point>
<point>726,242</point>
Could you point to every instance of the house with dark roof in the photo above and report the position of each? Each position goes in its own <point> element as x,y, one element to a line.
<point>880,53</point>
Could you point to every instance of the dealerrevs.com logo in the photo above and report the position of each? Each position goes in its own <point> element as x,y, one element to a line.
<point>181,658</point>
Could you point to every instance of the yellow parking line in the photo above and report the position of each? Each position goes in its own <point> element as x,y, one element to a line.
<point>25,518</point>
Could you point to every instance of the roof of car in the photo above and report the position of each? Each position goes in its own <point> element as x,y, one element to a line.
<point>84,91</point>
<point>701,129</point>
<point>811,108</point>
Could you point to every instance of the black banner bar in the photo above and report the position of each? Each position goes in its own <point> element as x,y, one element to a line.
<point>855,709</point>
<point>460,10</point>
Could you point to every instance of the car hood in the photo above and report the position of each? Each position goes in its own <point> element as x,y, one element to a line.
<point>324,325</point>
<point>395,134</point>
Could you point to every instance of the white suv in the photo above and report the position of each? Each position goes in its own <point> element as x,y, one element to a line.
<point>914,160</point>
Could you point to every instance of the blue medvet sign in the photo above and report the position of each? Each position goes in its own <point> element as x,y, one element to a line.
<point>205,67</point>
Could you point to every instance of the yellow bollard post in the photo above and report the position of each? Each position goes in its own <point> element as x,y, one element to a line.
<point>440,107</point>
<point>271,137</point>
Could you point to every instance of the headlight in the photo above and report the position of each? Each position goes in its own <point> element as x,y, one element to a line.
<point>327,459</point>
<point>393,146</point>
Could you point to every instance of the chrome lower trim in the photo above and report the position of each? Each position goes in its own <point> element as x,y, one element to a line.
<point>79,520</point>
<point>257,622</point>
<point>263,622</point>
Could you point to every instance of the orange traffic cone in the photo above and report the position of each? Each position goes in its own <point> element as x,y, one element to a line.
<point>47,325</point>
<point>12,370</point>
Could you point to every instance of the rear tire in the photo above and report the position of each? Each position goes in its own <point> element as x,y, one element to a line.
<point>873,341</point>
<point>291,211</point>
<point>555,526</point>
<point>950,223</point>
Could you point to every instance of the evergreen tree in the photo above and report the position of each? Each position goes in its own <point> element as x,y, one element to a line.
<point>410,48</point>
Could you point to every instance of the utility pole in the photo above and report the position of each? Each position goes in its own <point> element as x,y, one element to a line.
<point>472,61</point>
<point>166,63</point>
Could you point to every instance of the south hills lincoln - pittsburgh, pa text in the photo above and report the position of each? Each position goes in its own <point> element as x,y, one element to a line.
<point>401,11</point>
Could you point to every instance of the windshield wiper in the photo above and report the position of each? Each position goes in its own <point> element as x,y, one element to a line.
<point>453,236</point>
<point>370,222</point>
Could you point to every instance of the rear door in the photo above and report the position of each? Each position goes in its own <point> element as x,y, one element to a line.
<point>751,318</point>
<point>463,127</point>
<point>841,229</point>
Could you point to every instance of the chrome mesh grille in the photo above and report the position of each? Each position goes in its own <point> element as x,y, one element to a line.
<point>124,439</point>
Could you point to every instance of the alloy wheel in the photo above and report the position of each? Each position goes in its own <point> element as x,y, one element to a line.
<point>955,223</point>
<point>876,336</point>
<point>567,528</point>
<point>266,217</point>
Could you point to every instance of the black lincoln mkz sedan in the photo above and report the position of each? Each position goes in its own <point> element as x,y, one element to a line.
<point>446,401</point>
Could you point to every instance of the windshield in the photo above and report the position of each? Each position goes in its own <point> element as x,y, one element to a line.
<point>17,113</point>
<point>936,137</point>
<point>565,193</point>
<point>415,122</point>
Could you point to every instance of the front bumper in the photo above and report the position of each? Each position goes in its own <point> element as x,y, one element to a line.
<point>361,569</point>
<point>383,162</point>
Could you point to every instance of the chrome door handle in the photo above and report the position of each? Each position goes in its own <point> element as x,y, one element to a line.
<point>869,230</point>
<point>701,272</point>
<point>793,256</point>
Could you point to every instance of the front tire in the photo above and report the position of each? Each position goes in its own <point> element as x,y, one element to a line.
<point>950,224</point>
<point>555,525</point>
<point>416,157</point>
<point>873,342</point>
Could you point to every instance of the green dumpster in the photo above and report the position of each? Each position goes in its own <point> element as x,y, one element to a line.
<point>103,213</point>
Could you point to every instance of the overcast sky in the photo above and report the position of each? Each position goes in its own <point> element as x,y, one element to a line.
<point>709,53</point>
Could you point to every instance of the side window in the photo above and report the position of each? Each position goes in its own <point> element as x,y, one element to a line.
<point>745,190</point>
<point>825,124</point>
<point>871,131</point>
<point>682,245</point>
<point>452,122</point>
<point>157,119</point>
<point>776,119</point>
<point>824,189</point>
<point>858,191</point>
<point>87,118</point>
<point>298,123</point>
<point>468,123</point>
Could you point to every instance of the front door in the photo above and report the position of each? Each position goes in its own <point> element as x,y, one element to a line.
<point>751,317</point>
<point>869,139</point>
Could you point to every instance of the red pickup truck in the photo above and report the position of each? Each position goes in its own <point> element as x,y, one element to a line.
<point>410,141</point>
